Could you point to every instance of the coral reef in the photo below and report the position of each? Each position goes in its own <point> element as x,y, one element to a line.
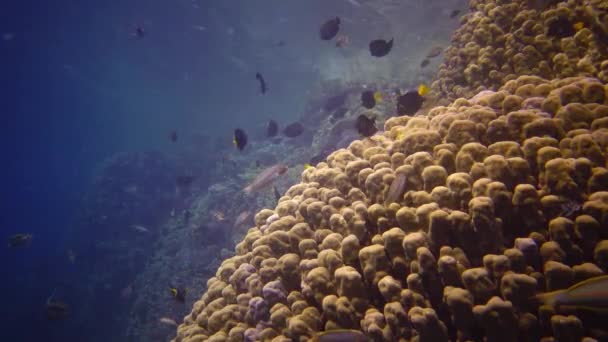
<point>505,197</point>
<point>499,41</point>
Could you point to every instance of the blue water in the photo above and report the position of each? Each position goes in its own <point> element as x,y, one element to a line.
<point>79,88</point>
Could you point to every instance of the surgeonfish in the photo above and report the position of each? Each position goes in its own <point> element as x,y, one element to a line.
<point>20,240</point>
<point>590,294</point>
<point>380,47</point>
<point>329,29</point>
<point>56,309</point>
<point>179,293</point>
<point>239,139</point>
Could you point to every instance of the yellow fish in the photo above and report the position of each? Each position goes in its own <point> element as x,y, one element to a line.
<point>579,25</point>
<point>590,294</point>
<point>378,96</point>
<point>423,89</point>
<point>307,166</point>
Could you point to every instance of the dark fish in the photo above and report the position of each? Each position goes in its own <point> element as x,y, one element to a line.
<point>380,47</point>
<point>341,335</point>
<point>367,99</point>
<point>454,13</point>
<point>330,29</point>
<point>178,293</point>
<point>395,191</point>
<point>260,78</point>
<point>272,128</point>
<point>240,139</point>
<point>560,27</point>
<point>366,126</point>
<point>424,63</point>
<point>277,194</point>
<point>434,52</point>
<point>293,130</point>
<point>173,136</point>
<point>19,240</point>
<point>184,181</point>
<point>139,32</point>
<point>409,103</point>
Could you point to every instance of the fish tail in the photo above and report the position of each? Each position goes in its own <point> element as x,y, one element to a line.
<point>548,298</point>
<point>247,190</point>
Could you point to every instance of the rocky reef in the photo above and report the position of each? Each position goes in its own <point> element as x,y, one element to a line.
<point>501,195</point>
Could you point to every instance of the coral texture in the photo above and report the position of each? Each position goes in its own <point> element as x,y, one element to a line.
<point>505,197</point>
<point>502,40</point>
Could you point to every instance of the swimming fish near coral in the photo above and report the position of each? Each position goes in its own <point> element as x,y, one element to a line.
<point>410,102</point>
<point>590,294</point>
<point>369,98</point>
<point>425,62</point>
<point>329,29</point>
<point>340,335</point>
<point>365,126</point>
<point>260,78</point>
<point>454,13</point>
<point>293,130</point>
<point>167,321</point>
<point>277,194</point>
<point>20,240</point>
<point>434,52</point>
<point>266,178</point>
<point>178,293</point>
<point>395,191</point>
<point>380,47</point>
<point>240,139</point>
<point>272,128</point>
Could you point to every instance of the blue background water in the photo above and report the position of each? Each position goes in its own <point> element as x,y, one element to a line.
<point>77,88</point>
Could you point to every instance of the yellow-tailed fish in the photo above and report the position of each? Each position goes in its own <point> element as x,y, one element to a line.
<point>341,335</point>
<point>579,25</point>
<point>423,89</point>
<point>378,96</point>
<point>590,294</point>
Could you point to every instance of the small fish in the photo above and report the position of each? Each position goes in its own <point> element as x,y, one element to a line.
<point>395,191</point>
<point>342,41</point>
<point>277,194</point>
<point>410,102</point>
<point>71,256</point>
<point>167,321</point>
<point>218,215</point>
<point>368,100</point>
<point>329,29</point>
<point>260,78</point>
<point>307,166</point>
<point>366,126</point>
<point>560,27</point>
<point>242,218</point>
<point>454,13</point>
<point>173,136</point>
<point>178,293</point>
<point>590,294</point>
<point>240,139</point>
<point>425,62</point>
<point>56,309</point>
<point>265,178</point>
<point>340,335</point>
<point>434,52</point>
<point>140,228</point>
<point>578,26</point>
<point>293,130</point>
<point>184,181</point>
<point>272,128</point>
<point>138,31</point>
<point>20,240</point>
<point>380,47</point>
<point>280,43</point>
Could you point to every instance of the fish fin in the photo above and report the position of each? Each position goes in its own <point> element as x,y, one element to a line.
<point>587,281</point>
<point>585,308</point>
<point>548,298</point>
<point>173,291</point>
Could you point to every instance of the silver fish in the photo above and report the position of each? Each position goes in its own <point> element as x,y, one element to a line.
<point>265,178</point>
<point>168,321</point>
<point>395,191</point>
<point>140,228</point>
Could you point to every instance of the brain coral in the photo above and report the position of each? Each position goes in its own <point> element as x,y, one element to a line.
<point>505,196</point>
<point>501,40</point>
